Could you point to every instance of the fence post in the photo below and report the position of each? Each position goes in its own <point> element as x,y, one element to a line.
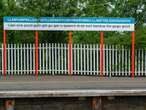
<point>70,54</point>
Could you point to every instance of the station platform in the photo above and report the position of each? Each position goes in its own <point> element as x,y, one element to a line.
<point>71,86</point>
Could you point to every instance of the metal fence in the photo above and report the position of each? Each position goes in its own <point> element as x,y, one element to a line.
<point>54,60</point>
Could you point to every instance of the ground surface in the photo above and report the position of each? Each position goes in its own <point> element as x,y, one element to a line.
<point>68,86</point>
<point>74,103</point>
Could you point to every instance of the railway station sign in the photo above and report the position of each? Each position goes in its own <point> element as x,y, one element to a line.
<point>68,23</point>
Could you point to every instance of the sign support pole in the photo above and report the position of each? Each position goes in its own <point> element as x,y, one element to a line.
<point>133,55</point>
<point>36,54</point>
<point>4,54</point>
<point>101,52</point>
<point>70,54</point>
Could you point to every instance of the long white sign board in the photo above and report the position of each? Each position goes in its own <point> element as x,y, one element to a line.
<point>68,24</point>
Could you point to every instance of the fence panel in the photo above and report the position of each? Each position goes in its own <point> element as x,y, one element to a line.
<point>54,60</point>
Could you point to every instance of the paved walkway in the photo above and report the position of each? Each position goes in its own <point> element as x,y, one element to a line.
<point>66,86</point>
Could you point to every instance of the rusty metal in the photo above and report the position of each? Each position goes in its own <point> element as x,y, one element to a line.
<point>97,103</point>
<point>9,104</point>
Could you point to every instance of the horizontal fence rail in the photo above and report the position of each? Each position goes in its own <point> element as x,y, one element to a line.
<point>53,59</point>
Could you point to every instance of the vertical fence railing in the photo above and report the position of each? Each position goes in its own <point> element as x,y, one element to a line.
<point>20,59</point>
<point>86,59</point>
<point>53,60</point>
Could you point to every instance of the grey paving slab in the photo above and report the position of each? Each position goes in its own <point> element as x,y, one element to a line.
<point>28,86</point>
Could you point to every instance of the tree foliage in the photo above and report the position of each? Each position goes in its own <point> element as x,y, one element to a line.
<point>79,8</point>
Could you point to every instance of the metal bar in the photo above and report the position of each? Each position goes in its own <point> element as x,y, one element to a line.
<point>123,60</point>
<point>85,67</point>
<point>139,62</point>
<point>34,60</point>
<point>119,63</point>
<point>40,60</point>
<point>4,54</point>
<point>8,49</point>
<point>24,55</point>
<point>65,59</point>
<point>129,56</point>
<point>94,67</point>
<point>52,53</point>
<point>49,65</point>
<point>116,58</point>
<point>136,62</point>
<point>75,59</point>
<point>31,58</point>
<point>88,59</point>
<point>107,62</point>
<point>104,73</point>
<point>62,58</point>
<point>18,57</point>
<point>43,59</point>
<point>2,59</point>
<point>97,60</point>
<point>81,63</point>
<point>101,53</point>
<point>78,62</point>
<point>70,54</point>
<point>14,59</point>
<point>59,57</point>
<point>91,65</point>
<point>46,58</point>
<point>142,64</point>
<point>110,64</point>
<point>126,62</point>
<point>113,59</point>
<point>55,59</point>
<point>27,61</point>
<point>36,54</point>
<point>21,59</point>
<point>133,56</point>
